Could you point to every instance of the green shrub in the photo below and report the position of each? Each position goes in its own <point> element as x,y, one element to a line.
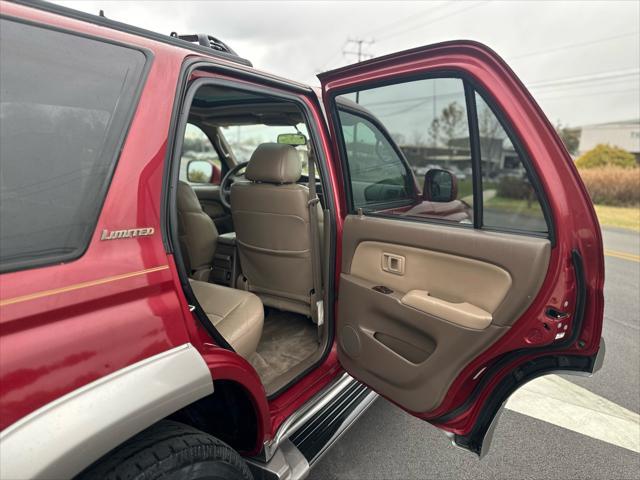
<point>606,155</point>
<point>513,187</point>
<point>614,186</point>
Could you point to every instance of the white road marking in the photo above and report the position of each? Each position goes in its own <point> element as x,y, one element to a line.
<point>560,402</point>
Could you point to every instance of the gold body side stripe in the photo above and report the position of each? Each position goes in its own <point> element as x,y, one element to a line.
<point>78,286</point>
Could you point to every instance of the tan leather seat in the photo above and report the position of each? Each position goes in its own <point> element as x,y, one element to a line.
<point>236,314</point>
<point>271,219</point>
<point>197,233</point>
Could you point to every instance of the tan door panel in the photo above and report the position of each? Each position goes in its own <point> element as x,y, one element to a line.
<point>417,375</point>
<point>452,292</point>
<point>451,278</point>
<point>525,259</point>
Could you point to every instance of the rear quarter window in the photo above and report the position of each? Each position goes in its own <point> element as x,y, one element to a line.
<point>65,104</point>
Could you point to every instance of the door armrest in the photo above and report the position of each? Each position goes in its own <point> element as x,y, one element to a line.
<point>463,314</point>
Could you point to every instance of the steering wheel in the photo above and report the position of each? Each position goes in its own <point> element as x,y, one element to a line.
<point>225,185</point>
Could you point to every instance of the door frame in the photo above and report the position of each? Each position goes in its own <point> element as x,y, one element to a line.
<point>197,72</point>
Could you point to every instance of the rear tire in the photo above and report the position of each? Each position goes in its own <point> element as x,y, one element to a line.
<point>170,450</point>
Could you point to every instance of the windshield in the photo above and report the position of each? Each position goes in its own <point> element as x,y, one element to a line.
<point>244,139</point>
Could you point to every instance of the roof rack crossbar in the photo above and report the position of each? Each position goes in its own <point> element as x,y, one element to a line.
<point>205,40</point>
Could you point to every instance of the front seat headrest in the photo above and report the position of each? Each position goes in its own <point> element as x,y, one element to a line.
<point>274,163</point>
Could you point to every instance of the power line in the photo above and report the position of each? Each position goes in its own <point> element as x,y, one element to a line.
<point>404,29</point>
<point>359,53</point>
<point>411,18</point>
<point>587,94</point>
<point>584,78</point>
<point>585,85</point>
<point>465,9</point>
<point>415,102</point>
<point>573,45</point>
<point>398,102</point>
<point>328,62</point>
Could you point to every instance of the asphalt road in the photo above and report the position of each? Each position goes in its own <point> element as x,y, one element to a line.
<point>386,443</point>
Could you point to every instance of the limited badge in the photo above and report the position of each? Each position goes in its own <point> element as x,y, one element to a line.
<point>131,233</point>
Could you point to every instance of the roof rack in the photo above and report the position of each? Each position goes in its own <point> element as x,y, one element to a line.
<point>206,40</point>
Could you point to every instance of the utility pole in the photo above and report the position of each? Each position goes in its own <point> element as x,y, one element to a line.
<point>358,52</point>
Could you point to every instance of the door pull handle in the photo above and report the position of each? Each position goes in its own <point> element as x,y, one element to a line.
<point>393,263</point>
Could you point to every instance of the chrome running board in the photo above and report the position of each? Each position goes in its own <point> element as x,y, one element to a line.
<point>307,434</point>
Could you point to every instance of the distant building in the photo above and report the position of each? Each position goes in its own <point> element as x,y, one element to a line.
<point>625,135</point>
<point>498,156</point>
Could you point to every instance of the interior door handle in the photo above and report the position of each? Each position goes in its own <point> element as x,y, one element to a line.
<point>393,263</point>
<point>463,314</point>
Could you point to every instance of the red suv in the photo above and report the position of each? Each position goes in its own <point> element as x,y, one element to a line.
<point>211,272</point>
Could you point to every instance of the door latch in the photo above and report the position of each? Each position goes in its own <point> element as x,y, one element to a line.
<point>556,314</point>
<point>393,263</point>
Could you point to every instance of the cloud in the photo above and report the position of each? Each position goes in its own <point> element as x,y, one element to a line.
<point>298,39</point>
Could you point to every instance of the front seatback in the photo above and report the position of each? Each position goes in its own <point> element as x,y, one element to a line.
<point>197,233</point>
<point>271,220</point>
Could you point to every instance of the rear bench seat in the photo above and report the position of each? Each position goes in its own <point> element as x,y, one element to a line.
<point>238,315</point>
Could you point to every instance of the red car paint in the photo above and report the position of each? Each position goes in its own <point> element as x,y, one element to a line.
<point>66,325</point>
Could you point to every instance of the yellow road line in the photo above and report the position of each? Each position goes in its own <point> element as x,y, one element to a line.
<point>623,255</point>
<point>78,286</point>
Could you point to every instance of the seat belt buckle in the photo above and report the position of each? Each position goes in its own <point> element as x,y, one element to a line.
<point>320,312</point>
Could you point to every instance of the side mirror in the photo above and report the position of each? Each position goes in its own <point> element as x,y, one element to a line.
<point>200,171</point>
<point>440,186</point>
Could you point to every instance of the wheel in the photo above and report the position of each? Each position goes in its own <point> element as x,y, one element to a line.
<point>170,450</point>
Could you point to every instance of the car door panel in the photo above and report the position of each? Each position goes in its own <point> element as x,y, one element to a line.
<point>449,278</point>
<point>525,259</point>
<point>498,298</point>
<point>410,353</point>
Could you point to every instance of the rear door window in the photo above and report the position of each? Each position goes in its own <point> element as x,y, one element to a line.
<point>65,104</point>
<point>447,137</point>
<point>510,201</point>
<point>427,119</point>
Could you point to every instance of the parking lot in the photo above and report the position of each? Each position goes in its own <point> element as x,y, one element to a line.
<point>558,427</point>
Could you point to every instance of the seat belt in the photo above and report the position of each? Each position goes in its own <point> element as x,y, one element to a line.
<point>317,309</point>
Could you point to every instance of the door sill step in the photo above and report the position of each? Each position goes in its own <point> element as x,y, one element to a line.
<point>309,433</point>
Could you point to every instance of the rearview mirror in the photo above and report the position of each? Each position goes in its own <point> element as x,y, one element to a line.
<point>199,171</point>
<point>440,186</point>
<point>292,139</point>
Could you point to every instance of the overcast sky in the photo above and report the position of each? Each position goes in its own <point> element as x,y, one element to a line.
<point>580,59</point>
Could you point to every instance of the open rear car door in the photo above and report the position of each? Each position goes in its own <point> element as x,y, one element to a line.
<point>443,311</point>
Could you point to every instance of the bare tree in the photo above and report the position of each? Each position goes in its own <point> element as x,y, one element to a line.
<point>491,137</point>
<point>434,132</point>
<point>452,120</point>
<point>399,138</point>
<point>417,138</point>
